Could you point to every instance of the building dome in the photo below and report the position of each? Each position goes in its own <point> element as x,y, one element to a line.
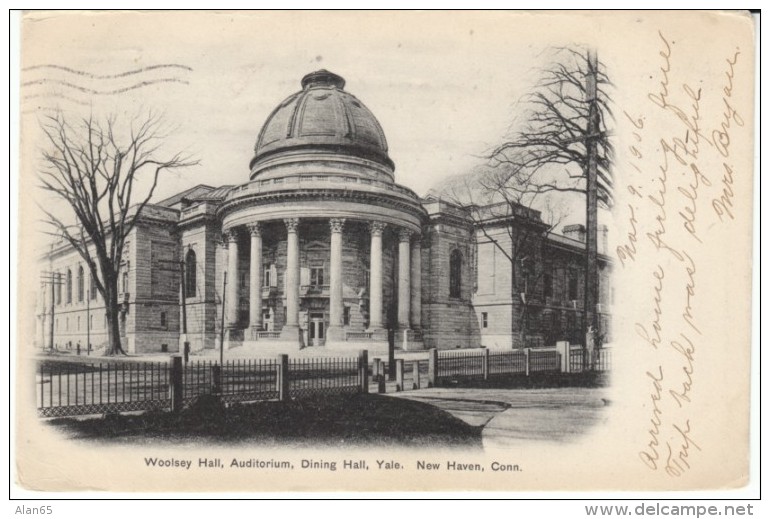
<point>325,118</point>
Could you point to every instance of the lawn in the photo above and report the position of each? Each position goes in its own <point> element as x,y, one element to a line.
<point>359,419</point>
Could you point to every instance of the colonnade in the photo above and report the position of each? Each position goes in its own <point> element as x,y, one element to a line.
<point>409,277</point>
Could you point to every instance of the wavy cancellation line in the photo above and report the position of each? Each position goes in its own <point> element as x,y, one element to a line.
<point>108,76</point>
<point>93,91</point>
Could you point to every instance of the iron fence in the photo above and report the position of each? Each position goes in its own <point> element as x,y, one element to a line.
<point>544,360</point>
<point>323,375</point>
<point>249,380</point>
<point>576,360</point>
<point>236,381</point>
<point>581,360</point>
<point>507,362</point>
<point>603,359</point>
<point>197,380</point>
<point>74,388</point>
<point>460,364</point>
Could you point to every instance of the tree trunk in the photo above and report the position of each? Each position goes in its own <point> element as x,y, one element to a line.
<point>113,317</point>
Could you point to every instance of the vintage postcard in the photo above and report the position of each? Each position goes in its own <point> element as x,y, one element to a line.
<point>384,251</point>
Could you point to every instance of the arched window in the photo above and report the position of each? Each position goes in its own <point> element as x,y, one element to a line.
<point>189,273</point>
<point>93,288</point>
<point>68,286</point>
<point>81,284</point>
<point>455,274</point>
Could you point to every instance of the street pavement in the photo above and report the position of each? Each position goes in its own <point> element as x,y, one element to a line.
<point>514,417</point>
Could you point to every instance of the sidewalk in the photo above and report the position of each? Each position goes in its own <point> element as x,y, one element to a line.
<point>514,417</point>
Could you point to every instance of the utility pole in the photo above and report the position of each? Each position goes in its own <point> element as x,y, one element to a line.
<point>593,134</point>
<point>53,279</point>
<point>88,321</point>
<point>222,323</point>
<point>178,266</point>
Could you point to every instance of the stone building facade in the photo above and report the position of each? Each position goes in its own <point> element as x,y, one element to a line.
<point>320,248</point>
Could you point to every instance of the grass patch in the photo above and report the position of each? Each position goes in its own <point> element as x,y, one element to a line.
<point>330,420</point>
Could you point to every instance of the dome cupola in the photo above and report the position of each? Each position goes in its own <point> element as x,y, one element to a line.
<point>322,118</point>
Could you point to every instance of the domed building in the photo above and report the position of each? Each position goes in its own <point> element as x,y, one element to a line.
<point>321,248</point>
<point>322,241</point>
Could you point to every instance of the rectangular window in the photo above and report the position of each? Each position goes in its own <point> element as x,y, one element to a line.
<point>346,316</point>
<point>163,322</point>
<point>547,285</point>
<point>316,276</point>
<point>266,324</point>
<point>573,286</point>
<point>484,320</point>
<point>78,323</point>
<point>125,277</point>
<point>91,323</point>
<point>67,324</point>
<point>268,278</point>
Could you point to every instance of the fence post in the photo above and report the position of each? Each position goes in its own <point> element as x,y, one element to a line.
<point>176,383</point>
<point>564,351</point>
<point>283,377</point>
<point>485,363</point>
<point>416,374</point>
<point>432,367</point>
<point>527,351</point>
<point>376,369</point>
<point>216,379</point>
<point>363,370</point>
<point>391,355</point>
<point>399,374</point>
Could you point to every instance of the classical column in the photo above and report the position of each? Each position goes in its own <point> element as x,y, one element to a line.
<point>231,305</point>
<point>255,278</point>
<point>291,327</point>
<point>335,280</point>
<point>404,285</point>
<point>375,276</point>
<point>416,305</point>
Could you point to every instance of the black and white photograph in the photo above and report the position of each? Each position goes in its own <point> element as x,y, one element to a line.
<point>358,251</point>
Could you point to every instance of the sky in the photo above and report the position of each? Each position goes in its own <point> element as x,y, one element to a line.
<point>440,102</point>
<point>444,86</point>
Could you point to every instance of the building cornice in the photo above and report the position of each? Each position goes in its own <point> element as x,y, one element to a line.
<point>381,199</point>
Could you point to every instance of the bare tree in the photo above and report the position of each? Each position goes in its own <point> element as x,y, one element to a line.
<point>505,198</point>
<point>95,172</point>
<point>565,145</point>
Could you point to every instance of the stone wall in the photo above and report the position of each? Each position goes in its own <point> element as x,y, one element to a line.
<point>447,322</point>
<point>153,318</point>
<point>552,315</point>
<point>201,305</point>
